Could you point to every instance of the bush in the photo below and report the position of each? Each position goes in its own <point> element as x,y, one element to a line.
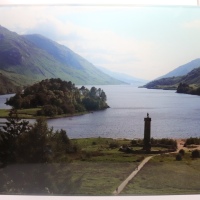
<point>90,104</point>
<point>94,143</point>
<point>164,141</point>
<point>114,145</point>
<point>182,152</point>
<point>136,142</point>
<point>195,154</point>
<point>49,110</point>
<point>80,108</point>
<point>192,140</point>
<point>179,157</point>
<point>68,108</point>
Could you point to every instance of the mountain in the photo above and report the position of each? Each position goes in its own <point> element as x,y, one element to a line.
<point>6,85</point>
<point>31,58</point>
<point>183,69</point>
<point>192,79</point>
<point>123,77</point>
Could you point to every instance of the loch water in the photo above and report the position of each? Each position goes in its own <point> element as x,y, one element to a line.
<point>173,115</point>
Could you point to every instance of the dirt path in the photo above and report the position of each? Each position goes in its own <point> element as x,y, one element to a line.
<point>126,181</point>
<point>180,144</point>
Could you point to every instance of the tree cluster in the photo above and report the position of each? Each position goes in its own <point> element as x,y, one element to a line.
<point>169,82</point>
<point>34,159</point>
<point>163,142</point>
<point>24,143</point>
<point>186,89</point>
<point>192,141</point>
<point>196,153</point>
<point>56,97</point>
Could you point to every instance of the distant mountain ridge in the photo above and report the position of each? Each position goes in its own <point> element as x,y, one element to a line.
<point>183,69</point>
<point>123,77</point>
<point>187,73</point>
<point>192,79</point>
<point>30,58</point>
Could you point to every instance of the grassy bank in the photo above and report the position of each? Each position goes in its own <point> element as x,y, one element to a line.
<point>4,113</point>
<point>31,113</point>
<point>22,113</point>
<point>102,168</point>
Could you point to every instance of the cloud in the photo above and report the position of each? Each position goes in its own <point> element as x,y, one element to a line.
<point>195,24</point>
<point>157,46</point>
<point>20,19</point>
<point>101,47</point>
<point>106,48</point>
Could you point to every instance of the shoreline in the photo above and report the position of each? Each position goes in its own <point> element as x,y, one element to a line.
<point>4,114</point>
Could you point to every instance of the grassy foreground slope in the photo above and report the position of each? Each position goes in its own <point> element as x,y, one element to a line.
<point>102,168</point>
<point>163,175</point>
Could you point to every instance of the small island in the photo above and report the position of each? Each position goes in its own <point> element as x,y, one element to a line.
<point>55,97</point>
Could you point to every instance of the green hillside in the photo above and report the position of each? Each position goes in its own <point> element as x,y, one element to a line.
<point>192,79</point>
<point>6,86</point>
<point>25,60</point>
<point>78,68</point>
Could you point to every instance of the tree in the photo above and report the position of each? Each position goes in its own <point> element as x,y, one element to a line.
<point>103,96</point>
<point>195,153</point>
<point>49,110</point>
<point>46,150</point>
<point>90,104</point>
<point>184,88</point>
<point>35,146</point>
<point>15,101</point>
<point>182,152</point>
<point>84,91</point>
<point>179,157</point>
<point>13,129</point>
<point>93,92</point>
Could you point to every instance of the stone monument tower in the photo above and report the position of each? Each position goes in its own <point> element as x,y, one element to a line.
<point>147,133</point>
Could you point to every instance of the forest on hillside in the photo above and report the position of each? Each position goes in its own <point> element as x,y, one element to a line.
<point>190,81</point>
<point>57,97</point>
<point>187,89</point>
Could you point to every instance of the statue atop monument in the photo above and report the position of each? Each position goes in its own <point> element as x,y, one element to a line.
<point>147,134</point>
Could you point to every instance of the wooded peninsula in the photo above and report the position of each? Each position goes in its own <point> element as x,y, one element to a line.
<point>54,97</point>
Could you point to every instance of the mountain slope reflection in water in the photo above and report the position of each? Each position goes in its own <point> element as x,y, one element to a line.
<point>173,115</point>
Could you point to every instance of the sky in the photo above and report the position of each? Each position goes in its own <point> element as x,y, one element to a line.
<point>141,41</point>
